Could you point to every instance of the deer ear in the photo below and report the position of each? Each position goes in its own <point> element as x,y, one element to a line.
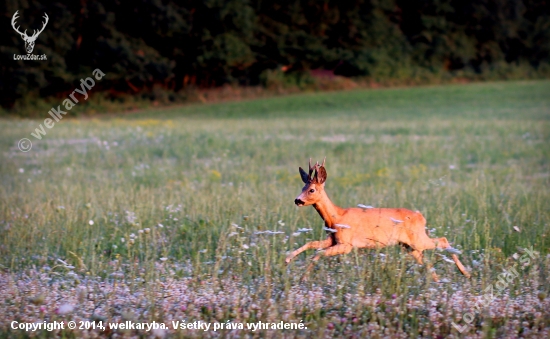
<point>304,175</point>
<point>321,175</point>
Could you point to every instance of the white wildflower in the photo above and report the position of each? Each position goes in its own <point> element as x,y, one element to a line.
<point>445,258</point>
<point>91,222</point>
<point>364,206</point>
<point>63,262</point>
<point>158,333</point>
<point>131,217</point>
<point>342,226</point>
<point>453,250</point>
<point>396,220</point>
<point>330,229</point>
<point>269,232</point>
<point>65,309</point>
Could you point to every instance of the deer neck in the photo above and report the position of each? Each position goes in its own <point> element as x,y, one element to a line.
<point>327,210</point>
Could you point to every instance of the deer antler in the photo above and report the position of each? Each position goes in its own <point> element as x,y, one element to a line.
<point>311,169</point>
<point>13,19</point>
<point>44,23</point>
<point>315,168</point>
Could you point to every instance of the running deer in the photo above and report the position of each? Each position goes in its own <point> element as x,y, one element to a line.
<point>364,227</point>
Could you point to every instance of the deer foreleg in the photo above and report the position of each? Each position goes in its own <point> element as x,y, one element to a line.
<point>310,245</point>
<point>334,250</point>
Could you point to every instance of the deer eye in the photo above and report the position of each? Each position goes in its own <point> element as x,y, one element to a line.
<point>312,191</point>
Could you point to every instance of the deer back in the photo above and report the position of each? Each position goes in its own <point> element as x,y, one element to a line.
<point>380,227</point>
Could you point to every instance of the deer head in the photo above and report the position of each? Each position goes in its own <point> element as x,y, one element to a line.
<point>315,184</point>
<point>29,40</point>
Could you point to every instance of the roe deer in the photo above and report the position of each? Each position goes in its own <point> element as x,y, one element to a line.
<point>364,227</point>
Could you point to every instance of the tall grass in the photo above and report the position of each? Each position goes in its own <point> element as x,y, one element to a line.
<point>151,199</point>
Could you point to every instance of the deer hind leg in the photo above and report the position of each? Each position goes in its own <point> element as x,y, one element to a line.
<point>418,255</point>
<point>310,245</point>
<point>331,251</point>
<point>460,267</point>
<point>444,243</point>
<point>441,242</point>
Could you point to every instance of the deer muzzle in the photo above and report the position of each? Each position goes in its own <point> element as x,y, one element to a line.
<point>299,202</point>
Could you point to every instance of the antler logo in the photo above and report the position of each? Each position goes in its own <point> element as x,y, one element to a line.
<point>29,40</point>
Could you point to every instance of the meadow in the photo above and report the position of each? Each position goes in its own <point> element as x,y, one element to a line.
<point>162,215</point>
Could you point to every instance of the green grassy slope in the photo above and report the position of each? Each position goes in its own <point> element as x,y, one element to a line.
<point>474,159</point>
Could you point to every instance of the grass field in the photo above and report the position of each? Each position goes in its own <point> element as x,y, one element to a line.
<point>154,215</point>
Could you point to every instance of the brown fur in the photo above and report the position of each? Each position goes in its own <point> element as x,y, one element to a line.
<point>368,228</point>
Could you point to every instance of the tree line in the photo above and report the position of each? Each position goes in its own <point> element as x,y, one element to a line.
<point>174,45</point>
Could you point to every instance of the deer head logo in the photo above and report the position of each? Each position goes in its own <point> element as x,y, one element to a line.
<point>29,40</point>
